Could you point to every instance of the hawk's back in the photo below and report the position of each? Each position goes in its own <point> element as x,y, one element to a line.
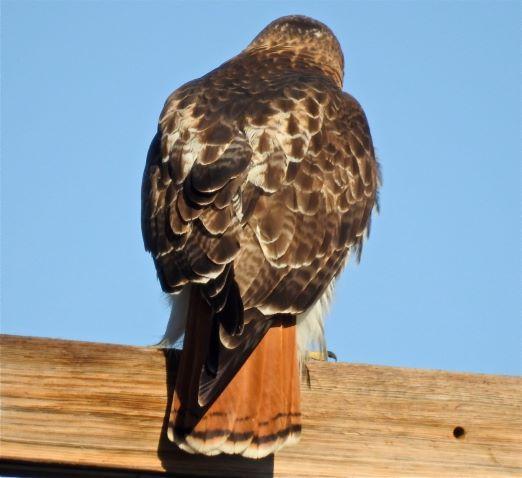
<point>260,181</point>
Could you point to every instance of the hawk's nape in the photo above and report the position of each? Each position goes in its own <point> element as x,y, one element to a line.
<point>259,183</point>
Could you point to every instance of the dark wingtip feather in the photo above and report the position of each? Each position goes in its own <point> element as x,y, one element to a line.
<point>225,362</point>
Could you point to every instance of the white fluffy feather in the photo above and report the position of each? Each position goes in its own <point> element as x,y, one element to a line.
<point>177,320</point>
<point>310,325</point>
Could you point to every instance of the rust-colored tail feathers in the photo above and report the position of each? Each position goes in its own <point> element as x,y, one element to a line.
<point>252,411</point>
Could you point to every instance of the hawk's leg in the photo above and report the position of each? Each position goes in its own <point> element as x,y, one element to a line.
<point>320,355</point>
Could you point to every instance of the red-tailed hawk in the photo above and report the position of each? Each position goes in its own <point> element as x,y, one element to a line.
<point>259,183</point>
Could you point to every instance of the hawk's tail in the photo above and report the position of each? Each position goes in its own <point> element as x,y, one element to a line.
<point>257,412</point>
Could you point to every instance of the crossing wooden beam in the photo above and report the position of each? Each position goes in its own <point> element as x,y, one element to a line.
<point>89,409</point>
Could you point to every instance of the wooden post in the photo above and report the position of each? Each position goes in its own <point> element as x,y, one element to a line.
<point>89,409</point>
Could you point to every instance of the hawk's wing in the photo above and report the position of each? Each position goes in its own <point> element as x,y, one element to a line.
<point>318,179</point>
<point>258,198</point>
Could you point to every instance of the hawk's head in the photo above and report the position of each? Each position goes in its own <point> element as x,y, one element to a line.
<point>308,38</point>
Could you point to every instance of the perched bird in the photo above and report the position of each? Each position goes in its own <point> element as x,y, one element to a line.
<point>258,185</point>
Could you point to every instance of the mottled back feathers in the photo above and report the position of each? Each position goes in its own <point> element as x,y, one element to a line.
<point>259,182</point>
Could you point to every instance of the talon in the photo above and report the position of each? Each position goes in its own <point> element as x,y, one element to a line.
<point>332,355</point>
<point>307,376</point>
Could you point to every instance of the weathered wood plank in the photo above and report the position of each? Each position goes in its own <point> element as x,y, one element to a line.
<point>90,405</point>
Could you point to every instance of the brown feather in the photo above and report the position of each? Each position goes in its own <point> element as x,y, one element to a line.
<point>260,181</point>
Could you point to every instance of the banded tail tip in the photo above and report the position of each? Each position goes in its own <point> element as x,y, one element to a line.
<point>214,443</point>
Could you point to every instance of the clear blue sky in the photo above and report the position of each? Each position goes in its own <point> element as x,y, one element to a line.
<point>83,84</point>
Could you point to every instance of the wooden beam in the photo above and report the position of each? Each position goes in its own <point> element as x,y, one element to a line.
<point>89,409</point>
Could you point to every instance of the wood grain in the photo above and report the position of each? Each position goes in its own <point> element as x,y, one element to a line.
<point>102,407</point>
